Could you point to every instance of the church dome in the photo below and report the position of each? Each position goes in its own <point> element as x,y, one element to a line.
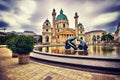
<point>61,16</point>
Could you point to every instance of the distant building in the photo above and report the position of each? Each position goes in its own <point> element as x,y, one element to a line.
<point>26,33</point>
<point>16,33</point>
<point>117,33</point>
<point>3,34</point>
<point>29,33</point>
<point>94,34</point>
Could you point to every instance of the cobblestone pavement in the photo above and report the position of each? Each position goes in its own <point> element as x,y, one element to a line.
<point>11,70</point>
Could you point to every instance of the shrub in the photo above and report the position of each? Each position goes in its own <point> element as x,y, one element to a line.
<point>21,44</point>
<point>3,39</point>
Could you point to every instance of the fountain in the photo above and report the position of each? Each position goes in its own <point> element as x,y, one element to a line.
<point>82,49</point>
<point>82,46</point>
<point>89,56</point>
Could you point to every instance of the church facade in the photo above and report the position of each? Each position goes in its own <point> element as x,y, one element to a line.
<point>58,31</point>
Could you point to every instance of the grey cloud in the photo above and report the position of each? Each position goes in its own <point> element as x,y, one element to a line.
<point>44,10</point>
<point>7,4</point>
<point>3,24</point>
<point>41,11</point>
<point>3,8</point>
<point>31,28</point>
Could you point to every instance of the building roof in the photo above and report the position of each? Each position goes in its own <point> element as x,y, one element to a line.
<point>28,32</point>
<point>61,16</point>
<point>95,31</point>
<point>67,31</point>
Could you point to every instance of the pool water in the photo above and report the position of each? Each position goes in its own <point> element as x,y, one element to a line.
<point>106,51</point>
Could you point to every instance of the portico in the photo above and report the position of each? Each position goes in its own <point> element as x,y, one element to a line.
<point>64,35</point>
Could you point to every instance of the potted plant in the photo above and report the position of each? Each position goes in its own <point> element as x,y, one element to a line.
<point>22,45</point>
<point>9,42</point>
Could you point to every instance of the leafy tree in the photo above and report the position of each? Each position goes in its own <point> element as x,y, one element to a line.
<point>103,37</point>
<point>9,37</point>
<point>107,37</point>
<point>98,38</point>
<point>3,40</point>
<point>110,37</point>
<point>94,39</point>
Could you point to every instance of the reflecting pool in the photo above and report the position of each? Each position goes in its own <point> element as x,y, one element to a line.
<point>106,51</point>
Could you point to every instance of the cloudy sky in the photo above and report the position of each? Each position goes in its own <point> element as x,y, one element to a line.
<point>20,15</point>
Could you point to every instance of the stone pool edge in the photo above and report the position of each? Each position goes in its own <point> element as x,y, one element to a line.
<point>79,57</point>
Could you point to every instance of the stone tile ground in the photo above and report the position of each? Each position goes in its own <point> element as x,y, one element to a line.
<point>11,70</point>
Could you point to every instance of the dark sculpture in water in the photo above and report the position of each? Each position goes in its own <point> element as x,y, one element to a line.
<point>81,46</point>
<point>69,43</point>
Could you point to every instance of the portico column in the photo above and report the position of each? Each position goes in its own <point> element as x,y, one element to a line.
<point>62,38</point>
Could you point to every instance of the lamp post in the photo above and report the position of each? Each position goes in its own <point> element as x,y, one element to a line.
<point>3,29</point>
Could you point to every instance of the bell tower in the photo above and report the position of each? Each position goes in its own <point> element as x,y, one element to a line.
<point>54,40</point>
<point>81,31</point>
<point>76,24</point>
<point>47,32</point>
<point>53,21</point>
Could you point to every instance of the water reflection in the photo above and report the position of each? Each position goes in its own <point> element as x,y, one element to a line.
<point>102,50</point>
<point>92,50</point>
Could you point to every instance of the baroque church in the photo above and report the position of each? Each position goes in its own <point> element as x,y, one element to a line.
<point>59,31</point>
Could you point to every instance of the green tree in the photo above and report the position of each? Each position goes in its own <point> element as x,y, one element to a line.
<point>98,38</point>
<point>94,39</point>
<point>104,37</point>
<point>3,40</point>
<point>110,37</point>
<point>107,38</point>
<point>9,37</point>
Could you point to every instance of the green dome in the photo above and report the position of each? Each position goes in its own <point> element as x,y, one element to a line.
<point>61,16</point>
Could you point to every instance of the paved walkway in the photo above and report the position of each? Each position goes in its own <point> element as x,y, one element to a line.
<point>11,70</point>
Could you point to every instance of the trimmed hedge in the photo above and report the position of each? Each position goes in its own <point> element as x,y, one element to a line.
<point>21,44</point>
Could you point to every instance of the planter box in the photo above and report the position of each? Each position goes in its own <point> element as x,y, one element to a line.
<point>23,58</point>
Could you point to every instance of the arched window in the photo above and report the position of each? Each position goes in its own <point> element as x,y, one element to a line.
<point>81,32</point>
<point>81,38</point>
<point>47,39</point>
<point>47,24</point>
<point>46,30</point>
<point>57,25</point>
<point>63,25</point>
